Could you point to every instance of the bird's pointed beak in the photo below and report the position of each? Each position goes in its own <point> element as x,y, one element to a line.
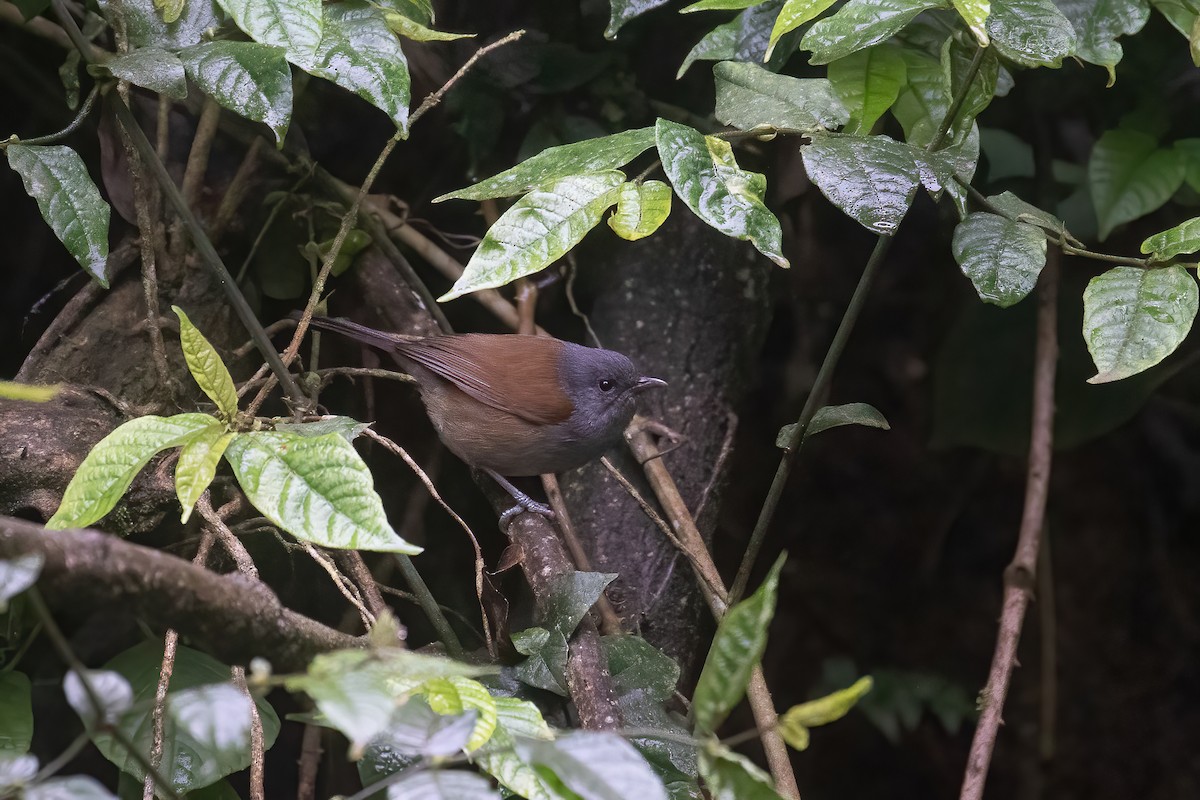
<point>645,383</point>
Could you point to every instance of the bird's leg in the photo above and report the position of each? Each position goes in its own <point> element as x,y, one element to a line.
<point>524,501</point>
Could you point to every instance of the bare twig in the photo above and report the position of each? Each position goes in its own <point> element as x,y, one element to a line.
<point>257,741</point>
<point>310,760</point>
<point>84,111</point>
<point>1020,575</point>
<point>343,584</point>
<point>229,540</point>
<point>435,98</point>
<point>1048,630</point>
<point>235,192</point>
<point>352,562</point>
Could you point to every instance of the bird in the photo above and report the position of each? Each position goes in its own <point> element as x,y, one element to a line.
<point>514,405</point>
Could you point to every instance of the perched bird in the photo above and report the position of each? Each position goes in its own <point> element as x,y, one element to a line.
<point>515,405</point>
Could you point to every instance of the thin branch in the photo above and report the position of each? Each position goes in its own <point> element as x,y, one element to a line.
<point>343,584</point>
<point>310,760</point>
<point>229,540</point>
<point>1020,575</point>
<point>74,125</point>
<point>435,98</point>
<point>257,740</point>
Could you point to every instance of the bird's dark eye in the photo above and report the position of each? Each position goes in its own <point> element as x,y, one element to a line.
<point>606,385</point>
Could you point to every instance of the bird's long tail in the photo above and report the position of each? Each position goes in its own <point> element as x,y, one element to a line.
<point>381,339</point>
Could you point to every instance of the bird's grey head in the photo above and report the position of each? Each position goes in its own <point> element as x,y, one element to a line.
<point>603,386</point>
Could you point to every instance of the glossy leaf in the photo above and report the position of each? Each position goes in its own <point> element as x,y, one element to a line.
<point>537,230</point>
<point>294,25</point>
<point>794,724</point>
<point>197,466</point>
<point>16,712</point>
<point>410,28</point>
<point>1183,238</point>
<point>316,488</point>
<point>870,178</point>
<point>1033,33</point>
<point>730,776</point>
<point>743,38</point>
<point>171,9</point>
<point>250,79</point>
<point>641,209</point>
<point>858,25</point>
<point>442,784</point>
<point>975,14</point>
<point>555,163</point>
<point>415,729</point>
<point>360,54</point>
<point>868,82</point>
<point>625,10</point>
<point>151,68</point>
<point>738,645</point>
<point>718,5</point>
<point>1179,13</point>
<point>146,27</point>
<point>116,459</point>
<point>206,718</point>
<point>1099,23</point>
<point>794,14</point>
<point>1002,258</point>
<point>1134,318</point>
<point>18,573</point>
<point>749,96</point>
<point>113,695</point>
<point>595,766</point>
<point>956,65</point>
<point>74,787</point>
<point>1017,209</point>
<point>456,695</point>
<point>924,100</point>
<point>55,176</point>
<point>546,665</point>
<point>1130,176</point>
<point>206,366</point>
<point>706,177</point>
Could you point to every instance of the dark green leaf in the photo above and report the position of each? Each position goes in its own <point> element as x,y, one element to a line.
<point>1099,23</point>
<point>1130,176</point>
<point>744,38</point>
<point>872,179</point>
<point>1017,209</point>
<point>55,176</point>
<point>546,665</point>
<point>860,24</point>
<point>849,414</point>
<point>1002,258</point>
<point>252,80</point>
<point>16,713</point>
<point>637,665</point>
<point>1183,238</point>
<point>1033,33</point>
<point>718,5</point>
<point>868,82</point>
<point>749,96</point>
<point>625,10</point>
<point>956,64</point>
<point>730,776</point>
<point>595,766</point>
<point>571,596</point>
<point>151,68</point>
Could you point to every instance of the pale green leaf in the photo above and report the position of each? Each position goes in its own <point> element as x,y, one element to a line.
<point>457,695</point>
<point>737,647</point>
<point>749,96</point>
<point>252,80</point>
<point>151,68</point>
<point>555,163</point>
<point>216,718</point>
<point>27,393</point>
<point>858,25</point>
<point>868,82</point>
<point>1130,176</point>
<point>18,573</point>
<point>872,179</point>
<point>442,784</point>
<point>1180,13</point>
<point>55,176</point>
<point>719,5</point>
<point>73,787</point>
<point>1002,258</point>
<point>197,465</point>
<point>641,209</point>
<point>1033,33</point>
<point>795,722</point>
<point>415,730</point>
<point>537,230</point>
<point>111,465</point>
<point>111,690</point>
<point>975,14</point>
<point>706,177</point>
<point>16,708</point>
<point>170,9</point>
<point>625,10</point>
<point>595,766</point>
<point>206,366</point>
<point>730,776</point>
<point>1099,23</point>
<point>417,10</point>
<point>1134,318</point>
<point>360,54</point>
<point>294,25</point>
<point>794,14</point>
<point>411,29</point>
<point>1183,238</point>
<point>346,427</point>
<point>316,488</point>
<point>515,718</point>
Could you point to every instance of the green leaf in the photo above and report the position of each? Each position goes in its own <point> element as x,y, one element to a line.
<point>746,37</point>
<point>570,596</point>
<point>546,665</point>
<point>975,14</point>
<point>147,28</point>
<point>625,10</point>
<point>16,711</point>
<point>1134,318</point>
<point>349,429</point>
<point>956,65</point>
<point>555,163</point>
<point>252,80</point>
<point>730,776</point>
<point>411,29</point>
<point>294,25</point>
<point>197,465</point>
<point>458,695</point>
<point>18,573</point>
<point>112,692</point>
<point>868,82</point>
<point>1183,238</point>
<point>415,729</point>
<point>1130,176</point>
<point>116,459</point>
<point>1033,33</point>
<point>849,414</point>
<point>516,718</point>
<point>706,177</point>
<point>75,787</point>
<point>54,176</point>
<point>151,68</point>
<point>1019,210</point>
<point>360,54</point>
<point>206,726</point>
<point>749,96</point>
<point>1098,24</point>
<point>206,366</point>
<point>719,5</point>
<point>1002,258</point>
<point>316,488</point>
<point>417,10</point>
<point>858,25</point>
<point>736,648</point>
<point>27,393</point>
<point>637,665</point>
<point>537,230</point>
<point>795,722</point>
<point>595,766</point>
<point>641,208</point>
<point>443,784</point>
<point>171,9</point>
<point>1179,13</point>
<point>872,179</point>
<point>924,100</point>
<point>794,14</point>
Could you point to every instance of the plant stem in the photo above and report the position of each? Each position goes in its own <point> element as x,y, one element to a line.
<point>430,606</point>
<point>84,111</point>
